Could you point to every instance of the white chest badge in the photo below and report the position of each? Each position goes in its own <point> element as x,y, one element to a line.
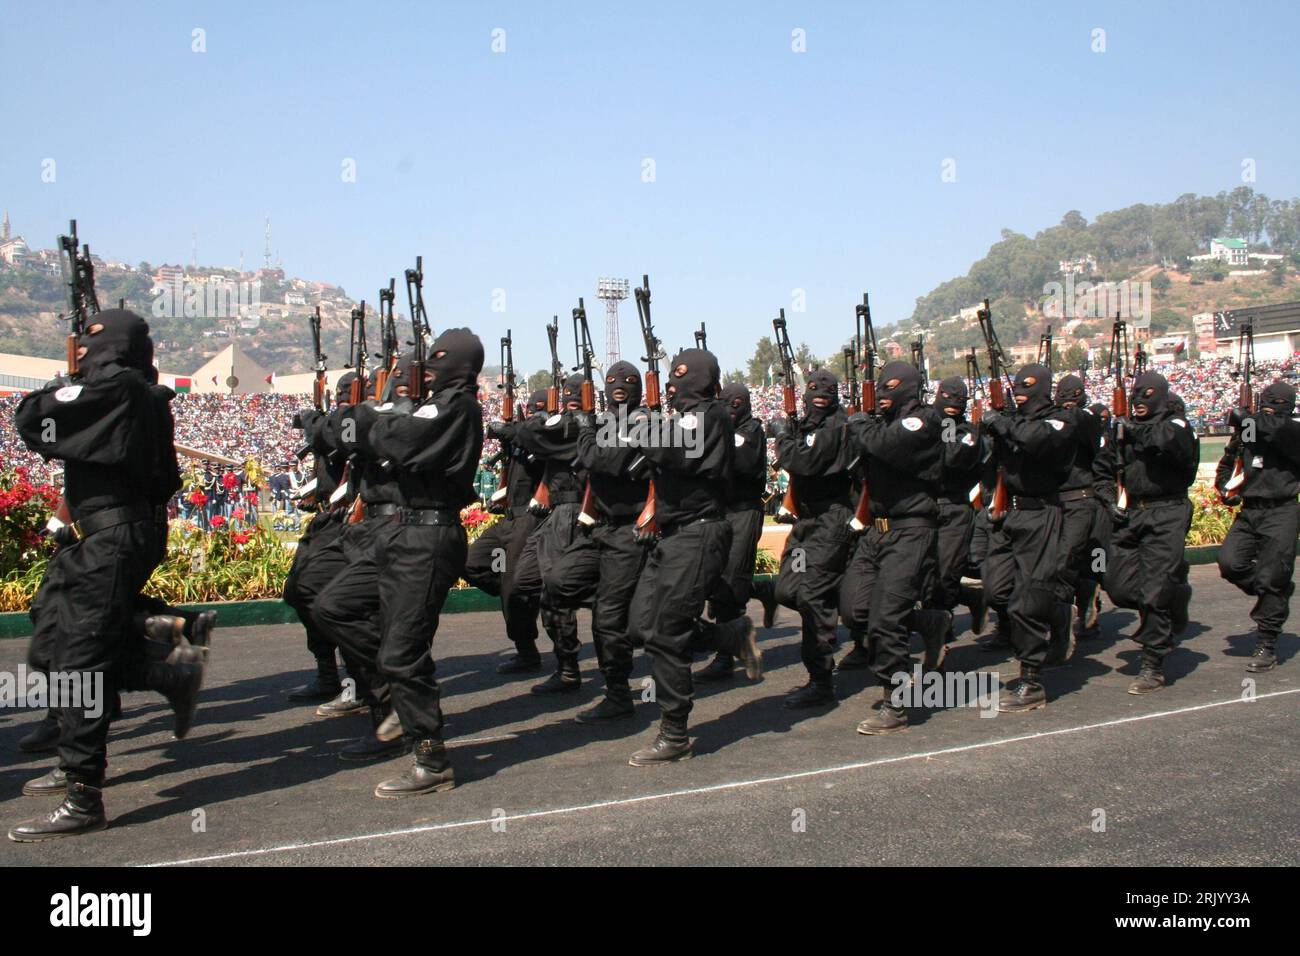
<point>968,439</point>
<point>68,393</point>
<point>1179,422</point>
<point>740,440</point>
<point>810,439</point>
<point>386,407</point>
<point>689,421</point>
<point>1055,424</point>
<point>1257,462</point>
<point>912,424</point>
<point>553,420</point>
<point>427,411</point>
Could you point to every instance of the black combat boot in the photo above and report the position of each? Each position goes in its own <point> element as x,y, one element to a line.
<point>765,591</point>
<point>521,664</point>
<point>615,705</point>
<point>201,629</point>
<point>934,627</point>
<point>972,595</point>
<point>1149,680</point>
<point>325,687</point>
<point>1060,642</point>
<point>859,656</point>
<point>82,811</point>
<point>743,643</point>
<point>669,746</point>
<point>431,773</point>
<point>722,667</point>
<point>179,679</point>
<point>1265,656</point>
<point>565,680</point>
<point>815,693</point>
<point>384,741</point>
<point>42,738</point>
<point>1024,693</point>
<point>888,718</point>
<point>54,782</point>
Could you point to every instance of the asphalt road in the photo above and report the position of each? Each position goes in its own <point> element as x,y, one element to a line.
<point>1193,775</point>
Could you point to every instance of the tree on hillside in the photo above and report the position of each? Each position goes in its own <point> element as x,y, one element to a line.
<point>538,379</point>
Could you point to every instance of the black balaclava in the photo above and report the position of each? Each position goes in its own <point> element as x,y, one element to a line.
<point>455,359</point>
<point>626,376</point>
<point>398,376</point>
<point>821,383</point>
<point>905,395</point>
<point>1071,389</point>
<point>1101,410</point>
<point>571,391</point>
<point>1038,395</point>
<point>1279,396</point>
<point>1152,390</point>
<point>1177,407</point>
<point>952,392</point>
<point>343,387</point>
<point>736,397</point>
<point>124,340</point>
<point>537,402</point>
<point>693,378</point>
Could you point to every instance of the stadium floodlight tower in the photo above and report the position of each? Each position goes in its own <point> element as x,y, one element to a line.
<point>613,291</point>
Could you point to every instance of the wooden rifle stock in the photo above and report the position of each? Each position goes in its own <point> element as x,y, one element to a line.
<point>788,513</point>
<point>647,527</point>
<point>1001,502</point>
<point>587,513</point>
<point>862,513</point>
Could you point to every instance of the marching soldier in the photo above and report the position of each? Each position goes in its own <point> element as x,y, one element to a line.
<point>684,566</point>
<point>815,452</point>
<point>494,555</point>
<point>1033,447</point>
<point>963,465</point>
<point>1079,512</point>
<point>894,566</point>
<point>432,448</point>
<point>112,428</point>
<point>744,507</point>
<point>318,559</point>
<point>1151,460</point>
<point>1258,555</point>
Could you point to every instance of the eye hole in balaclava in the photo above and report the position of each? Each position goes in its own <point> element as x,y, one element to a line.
<point>571,392</point>
<point>1032,388</point>
<point>1150,396</point>
<point>537,401</point>
<point>953,396</point>
<point>343,390</point>
<point>898,388</point>
<point>623,380</point>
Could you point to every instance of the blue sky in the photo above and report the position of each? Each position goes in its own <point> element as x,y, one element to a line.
<point>523,170</point>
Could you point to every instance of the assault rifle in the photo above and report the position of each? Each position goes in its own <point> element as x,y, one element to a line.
<point>419,330</point>
<point>646,529</point>
<point>541,500</point>
<point>387,338</point>
<point>788,512</point>
<point>358,356</point>
<point>1119,404</point>
<point>865,339</point>
<point>586,356</point>
<point>1245,397</point>
<point>999,386</point>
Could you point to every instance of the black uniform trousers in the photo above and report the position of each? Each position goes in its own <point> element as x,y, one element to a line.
<point>1022,572</point>
<point>953,536</point>
<point>812,567</point>
<point>82,615</point>
<point>889,573</point>
<point>347,608</point>
<point>1258,556</point>
<point>619,560</point>
<point>318,559</point>
<point>1078,537</point>
<point>491,566</point>
<point>681,570</point>
<point>728,602</point>
<point>417,565</point>
<point>549,542</point>
<point>1146,568</point>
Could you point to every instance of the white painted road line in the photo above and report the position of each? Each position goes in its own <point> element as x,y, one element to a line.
<point>714,788</point>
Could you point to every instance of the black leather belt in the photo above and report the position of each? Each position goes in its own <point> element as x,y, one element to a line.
<point>741,506</point>
<point>669,532</point>
<point>1026,503</point>
<point>428,516</point>
<point>1266,502</point>
<point>384,509</point>
<point>947,500</point>
<point>1077,494</point>
<point>886,525</point>
<point>619,522</point>
<point>112,517</point>
<point>1145,503</point>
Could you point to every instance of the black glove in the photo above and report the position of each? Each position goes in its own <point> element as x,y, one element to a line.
<point>994,422</point>
<point>1117,514</point>
<point>500,430</point>
<point>777,427</point>
<point>859,417</point>
<point>582,418</point>
<point>1237,416</point>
